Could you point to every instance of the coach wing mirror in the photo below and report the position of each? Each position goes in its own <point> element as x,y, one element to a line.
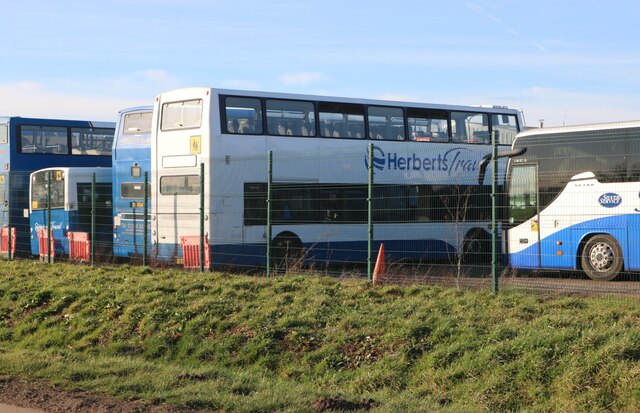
<point>502,154</point>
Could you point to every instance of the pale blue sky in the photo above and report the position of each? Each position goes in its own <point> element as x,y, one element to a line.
<point>574,61</point>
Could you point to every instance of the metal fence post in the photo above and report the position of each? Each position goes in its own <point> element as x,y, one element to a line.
<point>93,218</point>
<point>49,217</point>
<point>269,190</point>
<point>145,225</point>
<point>494,213</point>
<point>202,217</point>
<point>9,239</point>
<point>370,216</point>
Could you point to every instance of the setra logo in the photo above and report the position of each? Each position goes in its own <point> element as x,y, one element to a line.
<point>610,200</point>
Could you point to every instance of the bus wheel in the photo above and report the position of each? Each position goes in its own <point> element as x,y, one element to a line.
<point>602,258</point>
<point>286,252</point>
<point>476,248</point>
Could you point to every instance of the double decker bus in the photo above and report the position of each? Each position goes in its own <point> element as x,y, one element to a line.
<point>574,199</point>
<point>30,144</point>
<point>62,199</point>
<point>426,159</point>
<point>131,159</point>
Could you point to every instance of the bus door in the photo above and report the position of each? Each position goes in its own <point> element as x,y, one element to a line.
<point>523,235</point>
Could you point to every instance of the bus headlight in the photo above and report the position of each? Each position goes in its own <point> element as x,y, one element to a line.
<point>136,171</point>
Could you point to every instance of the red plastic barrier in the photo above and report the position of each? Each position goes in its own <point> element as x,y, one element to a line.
<point>4,241</point>
<point>79,246</point>
<point>43,235</point>
<point>191,252</point>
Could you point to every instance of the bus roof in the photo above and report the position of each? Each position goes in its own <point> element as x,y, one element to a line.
<point>375,102</point>
<point>89,169</point>
<point>148,108</point>
<point>580,128</point>
<point>54,122</point>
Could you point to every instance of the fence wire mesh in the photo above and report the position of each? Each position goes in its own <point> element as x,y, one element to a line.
<point>427,209</point>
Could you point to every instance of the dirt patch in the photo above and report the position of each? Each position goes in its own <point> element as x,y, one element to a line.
<point>336,404</point>
<point>36,394</point>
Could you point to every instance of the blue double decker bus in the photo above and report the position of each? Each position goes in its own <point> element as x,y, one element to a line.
<point>131,159</point>
<point>30,144</point>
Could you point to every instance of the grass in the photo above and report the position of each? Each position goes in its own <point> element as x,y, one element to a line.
<point>250,344</point>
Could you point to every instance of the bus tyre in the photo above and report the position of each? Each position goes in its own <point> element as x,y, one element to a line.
<point>286,251</point>
<point>476,248</point>
<point>602,258</point>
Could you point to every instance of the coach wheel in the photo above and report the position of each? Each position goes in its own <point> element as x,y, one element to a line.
<point>476,248</point>
<point>286,251</point>
<point>602,258</point>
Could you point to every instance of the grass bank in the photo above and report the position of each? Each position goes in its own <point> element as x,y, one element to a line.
<point>237,343</point>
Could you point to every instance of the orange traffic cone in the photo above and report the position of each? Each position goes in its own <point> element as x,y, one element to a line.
<point>380,268</point>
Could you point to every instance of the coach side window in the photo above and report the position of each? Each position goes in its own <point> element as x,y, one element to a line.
<point>386,123</point>
<point>339,120</point>
<point>505,127</point>
<point>427,126</point>
<point>470,127</point>
<point>243,115</point>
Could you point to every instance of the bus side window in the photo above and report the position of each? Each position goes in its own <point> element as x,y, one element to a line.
<point>247,112</point>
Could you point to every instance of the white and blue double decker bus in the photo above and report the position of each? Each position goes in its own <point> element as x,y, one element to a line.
<point>62,199</point>
<point>131,159</point>
<point>425,157</point>
<point>29,144</point>
<point>574,199</point>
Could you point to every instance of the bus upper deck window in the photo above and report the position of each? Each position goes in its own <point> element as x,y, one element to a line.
<point>44,139</point>
<point>243,115</point>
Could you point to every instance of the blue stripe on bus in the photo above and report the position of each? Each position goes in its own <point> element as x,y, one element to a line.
<point>320,253</point>
<point>624,228</point>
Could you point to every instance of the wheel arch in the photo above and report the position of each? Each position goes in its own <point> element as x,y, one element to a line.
<point>287,234</point>
<point>583,242</point>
